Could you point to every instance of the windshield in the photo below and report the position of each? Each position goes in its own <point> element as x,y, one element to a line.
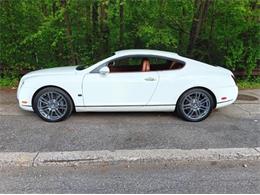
<point>94,61</point>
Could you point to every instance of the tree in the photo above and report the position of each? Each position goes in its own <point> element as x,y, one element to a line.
<point>121,23</point>
<point>73,58</point>
<point>48,33</point>
<point>201,9</point>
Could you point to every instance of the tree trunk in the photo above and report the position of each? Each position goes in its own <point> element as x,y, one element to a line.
<point>73,58</point>
<point>44,8</point>
<point>201,9</point>
<point>95,32</point>
<point>180,31</point>
<point>121,24</point>
<point>104,29</point>
<point>54,8</point>
<point>211,31</point>
<point>88,33</point>
<point>95,18</point>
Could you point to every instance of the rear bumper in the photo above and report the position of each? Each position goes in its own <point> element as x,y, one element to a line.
<point>230,93</point>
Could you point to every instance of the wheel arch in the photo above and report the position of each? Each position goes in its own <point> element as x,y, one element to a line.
<point>46,86</point>
<point>204,88</point>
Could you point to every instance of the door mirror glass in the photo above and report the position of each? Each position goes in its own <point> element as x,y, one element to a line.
<point>104,70</point>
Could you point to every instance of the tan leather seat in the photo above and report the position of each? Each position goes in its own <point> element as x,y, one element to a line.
<point>145,65</point>
<point>172,65</point>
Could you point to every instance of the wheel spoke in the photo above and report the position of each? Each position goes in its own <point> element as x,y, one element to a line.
<point>186,106</point>
<point>189,99</point>
<point>203,107</point>
<point>197,113</point>
<point>203,100</point>
<point>54,111</point>
<point>58,112</point>
<point>43,100</point>
<point>45,103</point>
<point>197,96</point>
<point>62,106</point>
<point>44,107</point>
<point>59,98</point>
<point>190,112</point>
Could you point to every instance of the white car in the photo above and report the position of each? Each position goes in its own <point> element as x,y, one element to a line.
<point>130,80</point>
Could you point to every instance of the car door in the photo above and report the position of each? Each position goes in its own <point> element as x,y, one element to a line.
<point>119,88</point>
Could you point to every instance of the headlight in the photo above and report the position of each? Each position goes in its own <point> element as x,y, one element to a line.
<point>234,78</point>
<point>21,83</point>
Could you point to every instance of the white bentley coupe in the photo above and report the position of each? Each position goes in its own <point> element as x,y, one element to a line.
<point>129,81</point>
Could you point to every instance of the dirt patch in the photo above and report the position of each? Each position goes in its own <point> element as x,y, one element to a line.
<point>8,90</point>
<point>247,97</point>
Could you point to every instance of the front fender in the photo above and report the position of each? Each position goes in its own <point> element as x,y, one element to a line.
<point>29,86</point>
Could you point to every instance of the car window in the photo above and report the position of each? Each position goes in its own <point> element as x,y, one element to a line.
<point>143,64</point>
<point>129,64</point>
<point>132,61</point>
<point>157,64</point>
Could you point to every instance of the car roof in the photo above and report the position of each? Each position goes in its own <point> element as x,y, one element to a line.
<point>145,52</point>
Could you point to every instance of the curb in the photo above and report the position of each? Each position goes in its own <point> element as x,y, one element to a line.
<point>76,158</point>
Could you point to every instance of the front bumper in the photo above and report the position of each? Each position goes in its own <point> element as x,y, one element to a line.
<point>24,97</point>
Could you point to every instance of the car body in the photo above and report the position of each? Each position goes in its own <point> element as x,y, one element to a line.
<point>109,85</point>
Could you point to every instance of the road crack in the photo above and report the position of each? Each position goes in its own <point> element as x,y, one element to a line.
<point>35,158</point>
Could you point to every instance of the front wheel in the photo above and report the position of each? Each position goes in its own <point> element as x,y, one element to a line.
<point>52,104</point>
<point>195,105</point>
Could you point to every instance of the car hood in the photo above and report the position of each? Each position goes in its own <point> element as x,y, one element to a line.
<point>52,71</point>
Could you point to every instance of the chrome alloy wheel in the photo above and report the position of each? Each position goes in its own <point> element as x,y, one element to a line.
<point>196,105</point>
<point>52,105</point>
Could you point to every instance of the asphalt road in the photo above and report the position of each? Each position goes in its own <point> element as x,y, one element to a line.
<point>231,127</point>
<point>203,178</point>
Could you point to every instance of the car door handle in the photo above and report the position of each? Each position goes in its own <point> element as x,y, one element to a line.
<point>149,79</point>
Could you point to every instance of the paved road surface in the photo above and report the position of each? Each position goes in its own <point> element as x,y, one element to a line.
<point>203,178</point>
<point>234,126</point>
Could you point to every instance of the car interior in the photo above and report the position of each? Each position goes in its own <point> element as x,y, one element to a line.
<point>143,64</point>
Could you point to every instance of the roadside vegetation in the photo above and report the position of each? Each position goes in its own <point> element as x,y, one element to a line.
<point>38,34</point>
<point>253,83</point>
<point>8,82</point>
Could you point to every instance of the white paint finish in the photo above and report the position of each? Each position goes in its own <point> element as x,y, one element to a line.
<point>169,88</point>
<point>167,108</point>
<point>130,88</point>
<point>26,108</point>
<point>119,88</point>
<point>230,92</point>
<point>70,82</point>
<point>146,52</point>
<point>53,71</point>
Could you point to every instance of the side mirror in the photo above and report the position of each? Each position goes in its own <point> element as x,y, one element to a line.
<point>104,70</point>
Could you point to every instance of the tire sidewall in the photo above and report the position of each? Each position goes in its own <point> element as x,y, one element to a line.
<point>56,90</point>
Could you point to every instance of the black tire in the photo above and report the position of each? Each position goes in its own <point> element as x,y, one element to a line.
<point>186,99</point>
<point>63,106</point>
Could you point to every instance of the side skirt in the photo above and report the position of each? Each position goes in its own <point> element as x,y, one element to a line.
<point>153,108</point>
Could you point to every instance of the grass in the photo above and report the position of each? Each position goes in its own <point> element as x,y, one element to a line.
<point>249,84</point>
<point>8,82</point>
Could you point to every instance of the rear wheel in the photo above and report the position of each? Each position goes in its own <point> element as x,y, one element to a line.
<point>52,104</point>
<point>195,105</point>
